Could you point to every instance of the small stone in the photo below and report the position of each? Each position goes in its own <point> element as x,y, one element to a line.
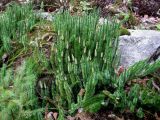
<point>80,110</point>
<point>111,115</point>
<point>45,15</point>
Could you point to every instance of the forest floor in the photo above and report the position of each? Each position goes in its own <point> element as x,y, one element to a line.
<point>131,20</point>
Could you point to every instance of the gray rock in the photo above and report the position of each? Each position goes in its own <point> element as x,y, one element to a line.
<point>140,45</point>
<point>45,15</point>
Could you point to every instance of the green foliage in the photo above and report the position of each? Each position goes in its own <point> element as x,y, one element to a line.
<point>124,31</point>
<point>85,50</point>
<point>18,100</point>
<point>15,22</point>
<point>150,98</point>
<point>83,64</point>
<point>140,113</point>
<point>86,58</point>
<point>158,26</point>
<point>137,94</point>
<point>139,69</point>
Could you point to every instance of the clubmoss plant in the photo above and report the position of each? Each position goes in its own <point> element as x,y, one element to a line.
<point>85,59</point>
<point>18,100</point>
<point>15,22</point>
<point>80,74</point>
<point>138,95</point>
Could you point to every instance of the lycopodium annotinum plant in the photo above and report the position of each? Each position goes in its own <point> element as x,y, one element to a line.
<point>139,95</point>
<point>85,59</point>
<point>17,93</point>
<point>15,22</point>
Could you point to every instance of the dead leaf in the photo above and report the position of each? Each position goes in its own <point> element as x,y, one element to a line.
<point>55,115</point>
<point>120,70</point>
<point>50,116</point>
<point>81,92</point>
<point>157,117</point>
<point>113,116</point>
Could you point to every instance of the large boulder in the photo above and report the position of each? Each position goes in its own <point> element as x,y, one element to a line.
<point>140,45</point>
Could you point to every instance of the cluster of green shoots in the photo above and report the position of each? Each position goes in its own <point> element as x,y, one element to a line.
<point>17,93</point>
<point>86,58</point>
<point>86,54</point>
<point>15,22</point>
